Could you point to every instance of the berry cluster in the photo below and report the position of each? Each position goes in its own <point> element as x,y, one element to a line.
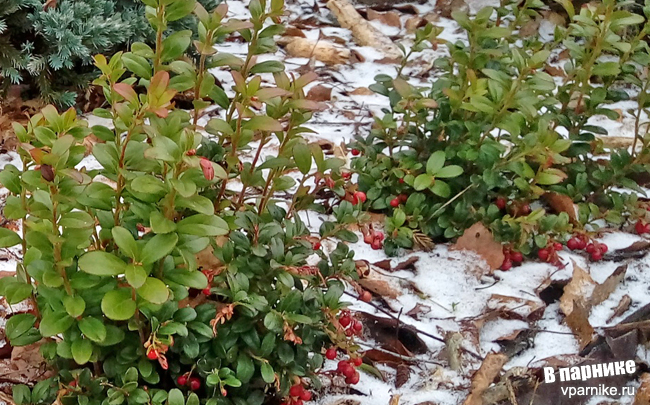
<point>549,254</point>
<point>641,227</point>
<point>351,325</point>
<point>347,368</point>
<point>595,249</point>
<point>516,208</point>
<point>297,394</point>
<point>193,382</point>
<point>511,257</point>
<point>400,199</point>
<point>374,238</point>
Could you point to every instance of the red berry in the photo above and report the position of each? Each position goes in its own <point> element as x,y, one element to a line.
<point>583,244</point>
<point>517,257</point>
<point>558,246</point>
<point>403,198</point>
<point>357,361</point>
<point>366,296</point>
<point>376,244</point>
<point>573,244</point>
<point>191,152</point>
<point>525,209</point>
<point>152,354</point>
<point>345,320</point>
<point>356,152</point>
<point>349,332</point>
<point>306,396</point>
<point>330,354</point>
<point>368,238</point>
<point>401,181</point>
<point>597,255</point>
<point>379,236</point>
<point>603,248</point>
<point>543,254</point>
<point>640,227</point>
<point>206,291</point>
<point>297,402</point>
<point>343,364</point>
<point>296,390</point>
<point>501,203</point>
<point>353,379</point>
<point>591,248</point>
<point>647,228</point>
<point>506,265</point>
<point>348,371</point>
<point>181,380</point>
<point>195,383</point>
<point>394,202</point>
<point>357,326</point>
<point>360,195</point>
<point>316,245</point>
<point>73,383</point>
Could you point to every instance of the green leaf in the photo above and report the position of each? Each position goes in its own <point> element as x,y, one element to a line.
<point>423,181</point>
<point>159,224</point>
<point>125,241</point>
<point>8,238</point>
<point>81,349</point>
<point>19,324</point>
<point>269,66</point>
<point>174,46</point>
<point>268,375</point>
<point>54,323</point>
<point>448,172</point>
<point>135,275</point>
<point>118,304</point>
<point>203,225</point>
<point>197,203</point>
<point>245,367</point>
<point>77,219</point>
<point>21,394</point>
<point>273,322</point>
<point>550,176</point>
<point>101,264</point>
<point>158,247</point>
<point>440,188</point>
<point>436,162</point>
<point>175,397</point>
<point>74,306</point>
<point>606,69</point>
<point>263,123</point>
<point>154,291</point>
<point>93,329</point>
<point>137,64</point>
<point>302,157</point>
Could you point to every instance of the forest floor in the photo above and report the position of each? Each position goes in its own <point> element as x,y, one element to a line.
<point>443,328</point>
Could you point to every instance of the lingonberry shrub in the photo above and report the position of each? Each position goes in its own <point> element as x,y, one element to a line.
<point>495,134</point>
<point>151,280</point>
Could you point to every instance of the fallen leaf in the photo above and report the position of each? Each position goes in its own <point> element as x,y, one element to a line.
<point>515,308</point>
<point>603,291</point>
<point>484,376</point>
<point>562,203</point>
<point>413,23</point>
<point>380,287</point>
<point>389,18</point>
<point>394,399</point>
<point>294,32</point>
<point>621,308</point>
<point>578,321</point>
<point>362,91</point>
<point>319,93</point>
<point>579,289</point>
<point>393,335</point>
<point>419,310</point>
<point>403,374</point>
<point>554,71</point>
<point>529,28</point>
<point>479,239</point>
<point>453,344</point>
<point>642,396</point>
<point>446,7</point>
<point>49,4</point>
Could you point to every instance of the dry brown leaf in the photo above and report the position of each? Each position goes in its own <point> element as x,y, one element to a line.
<point>505,306</point>
<point>319,93</point>
<point>418,310</point>
<point>294,32</point>
<point>380,287</point>
<point>484,376</point>
<point>445,8</point>
<point>562,203</point>
<point>479,239</point>
<point>642,396</point>
<point>26,365</point>
<point>403,374</point>
<point>328,53</point>
<point>362,91</point>
<point>49,4</point>
<point>578,321</point>
<point>389,18</point>
<point>453,344</point>
<point>603,291</point>
<point>394,399</point>
<point>621,308</point>
<point>413,23</point>
<point>579,289</point>
<point>530,28</point>
<point>553,17</point>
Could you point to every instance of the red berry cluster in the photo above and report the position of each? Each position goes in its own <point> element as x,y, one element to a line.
<point>581,242</point>
<point>298,394</point>
<point>374,238</point>
<point>351,325</point>
<point>549,253</point>
<point>357,197</point>
<point>641,227</point>
<point>510,257</point>
<point>400,199</point>
<point>347,368</point>
<point>516,208</point>
<point>194,382</point>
